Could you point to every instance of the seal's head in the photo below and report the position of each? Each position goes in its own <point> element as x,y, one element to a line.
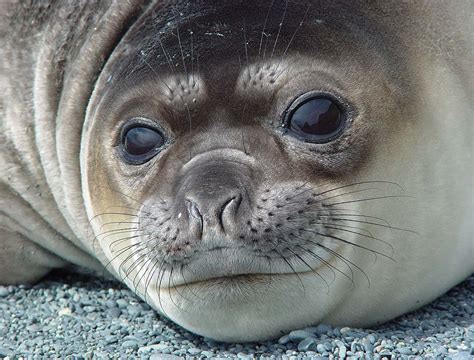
<point>233,157</point>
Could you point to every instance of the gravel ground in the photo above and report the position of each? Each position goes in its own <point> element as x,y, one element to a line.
<point>77,317</point>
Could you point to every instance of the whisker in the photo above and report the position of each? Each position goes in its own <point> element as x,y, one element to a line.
<point>349,243</point>
<point>369,199</point>
<point>134,252</point>
<point>263,30</point>
<point>159,287</point>
<point>115,232</point>
<point>167,56</point>
<point>360,183</point>
<point>111,213</point>
<point>121,267</point>
<point>245,46</point>
<point>293,37</point>
<point>279,28</point>
<point>169,287</point>
<point>355,215</point>
<point>186,282</point>
<point>377,224</point>
<point>179,42</point>
<point>176,288</point>
<point>348,193</point>
<point>328,226</point>
<point>116,222</point>
<point>136,282</point>
<point>292,269</point>
<point>150,275</point>
<point>324,261</point>
<point>309,266</point>
<point>115,242</point>
<point>343,259</point>
<point>328,265</point>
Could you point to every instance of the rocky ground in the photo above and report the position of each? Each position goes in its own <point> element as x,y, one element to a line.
<point>76,317</point>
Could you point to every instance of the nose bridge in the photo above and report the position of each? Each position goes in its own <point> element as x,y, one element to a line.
<point>219,134</point>
<point>211,189</point>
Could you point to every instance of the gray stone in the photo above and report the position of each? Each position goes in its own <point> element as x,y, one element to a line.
<point>134,310</point>
<point>5,352</point>
<point>285,339</point>
<point>298,335</point>
<point>121,303</point>
<point>194,351</point>
<point>3,291</point>
<point>89,309</point>
<point>130,344</point>
<point>342,348</point>
<point>154,347</point>
<point>462,355</point>
<point>114,312</point>
<point>111,303</point>
<point>320,348</point>
<point>405,351</point>
<point>157,356</point>
<point>307,344</point>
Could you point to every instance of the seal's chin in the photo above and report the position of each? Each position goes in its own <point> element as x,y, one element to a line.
<point>232,302</point>
<point>229,294</point>
<point>246,307</point>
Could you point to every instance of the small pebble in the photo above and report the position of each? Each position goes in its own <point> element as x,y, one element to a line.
<point>285,339</point>
<point>3,291</point>
<point>342,348</point>
<point>111,303</point>
<point>64,311</point>
<point>405,351</point>
<point>130,344</point>
<point>114,312</point>
<point>307,344</point>
<point>121,303</point>
<point>89,309</point>
<point>298,335</point>
<point>165,357</point>
<point>321,348</point>
<point>194,351</point>
<point>134,309</point>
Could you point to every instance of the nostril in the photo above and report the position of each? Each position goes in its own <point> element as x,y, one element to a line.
<point>193,209</point>
<point>226,204</point>
<point>231,205</point>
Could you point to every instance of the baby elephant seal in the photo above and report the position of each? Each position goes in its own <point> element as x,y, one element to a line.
<point>246,167</point>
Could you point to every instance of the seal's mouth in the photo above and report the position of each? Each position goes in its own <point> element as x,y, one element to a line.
<point>232,280</point>
<point>225,266</point>
<point>231,266</point>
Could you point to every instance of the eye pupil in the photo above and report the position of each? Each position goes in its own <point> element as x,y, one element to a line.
<point>141,140</point>
<point>141,143</point>
<point>317,119</point>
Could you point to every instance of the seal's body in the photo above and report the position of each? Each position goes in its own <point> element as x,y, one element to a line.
<point>247,168</point>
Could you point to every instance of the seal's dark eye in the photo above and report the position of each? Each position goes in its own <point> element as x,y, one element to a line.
<point>140,144</point>
<point>316,119</point>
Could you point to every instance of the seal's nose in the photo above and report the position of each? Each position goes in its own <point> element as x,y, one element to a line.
<point>216,208</point>
<point>213,196</point>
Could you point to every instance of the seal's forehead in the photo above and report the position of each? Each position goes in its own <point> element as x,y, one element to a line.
<point>202,34</point>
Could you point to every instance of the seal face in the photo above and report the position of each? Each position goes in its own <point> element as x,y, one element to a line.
<point>246,174</point>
